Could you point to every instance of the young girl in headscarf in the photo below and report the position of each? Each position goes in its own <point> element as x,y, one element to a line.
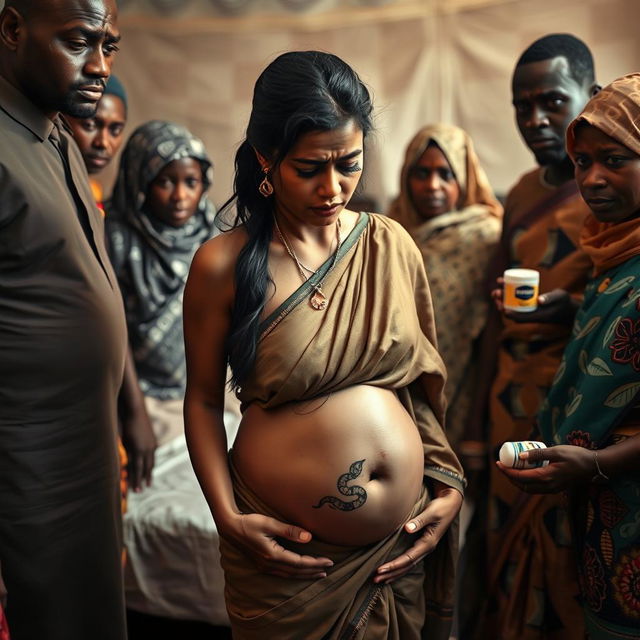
<point>448,207</point>
<point>158,216</point>
<point>591,411</point>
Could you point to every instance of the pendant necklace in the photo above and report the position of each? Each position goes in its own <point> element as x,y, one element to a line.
<point>318,299</point>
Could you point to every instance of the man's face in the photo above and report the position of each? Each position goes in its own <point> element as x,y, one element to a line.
<point>100,137</point>
<point>64,54</point>
<point>546,99</point>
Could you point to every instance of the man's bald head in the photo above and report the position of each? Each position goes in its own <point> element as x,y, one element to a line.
<point>30,8</point>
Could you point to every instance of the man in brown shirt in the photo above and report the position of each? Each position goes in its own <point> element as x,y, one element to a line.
<point>62,332</point>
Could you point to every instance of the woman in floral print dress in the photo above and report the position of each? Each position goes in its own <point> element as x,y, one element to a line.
<point>591,412</point>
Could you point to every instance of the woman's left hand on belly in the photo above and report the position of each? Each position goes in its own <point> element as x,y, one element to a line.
<point>429,526</point>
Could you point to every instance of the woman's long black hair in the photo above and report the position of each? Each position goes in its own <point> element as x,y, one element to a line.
<point>298,92</point>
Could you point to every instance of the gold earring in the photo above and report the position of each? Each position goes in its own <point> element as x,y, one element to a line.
<point>265,187</point>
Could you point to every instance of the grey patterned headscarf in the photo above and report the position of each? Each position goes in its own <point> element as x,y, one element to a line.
<point>151,258</point>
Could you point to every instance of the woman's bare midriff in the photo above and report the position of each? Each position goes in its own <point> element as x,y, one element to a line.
<point>347,467</point>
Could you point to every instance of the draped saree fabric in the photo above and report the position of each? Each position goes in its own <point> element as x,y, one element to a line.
<point>377,330</point>
<point>593,402</point>
<point>456,248</point>
<point>151,258</point>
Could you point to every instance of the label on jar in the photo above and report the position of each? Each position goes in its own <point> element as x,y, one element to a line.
<point>524,292</point>
<point>520,297</point>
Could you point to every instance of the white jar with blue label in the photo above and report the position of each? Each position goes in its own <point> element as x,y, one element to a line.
<point>521,290</point>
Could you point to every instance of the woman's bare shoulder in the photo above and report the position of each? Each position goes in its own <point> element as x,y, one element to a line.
<point>216,258</point>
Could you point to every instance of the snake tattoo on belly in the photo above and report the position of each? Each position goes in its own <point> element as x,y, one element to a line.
<point>336,503</point>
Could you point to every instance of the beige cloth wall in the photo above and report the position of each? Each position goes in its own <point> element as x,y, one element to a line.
<point>424,60</point>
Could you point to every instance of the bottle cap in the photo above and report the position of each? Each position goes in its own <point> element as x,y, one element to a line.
<point>522,275</point>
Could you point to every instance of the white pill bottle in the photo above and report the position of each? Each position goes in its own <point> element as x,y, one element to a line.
<point>521,290</point>
<point>510,454</point>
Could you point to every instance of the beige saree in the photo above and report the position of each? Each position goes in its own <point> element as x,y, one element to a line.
<point>378,330</point>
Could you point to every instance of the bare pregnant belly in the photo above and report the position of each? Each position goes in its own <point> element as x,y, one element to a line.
<point>347,467</point>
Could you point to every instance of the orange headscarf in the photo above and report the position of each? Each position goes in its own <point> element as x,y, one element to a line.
<point>616,112</point>
<point>457,147</point>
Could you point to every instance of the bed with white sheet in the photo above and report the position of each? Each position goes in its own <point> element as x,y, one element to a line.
<point>173,563</point>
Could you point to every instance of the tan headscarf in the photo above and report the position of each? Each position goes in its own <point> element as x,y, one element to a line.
<point>458,149</point>
<point>616,112</point>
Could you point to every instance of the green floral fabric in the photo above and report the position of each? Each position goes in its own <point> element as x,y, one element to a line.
<point>595,390</point>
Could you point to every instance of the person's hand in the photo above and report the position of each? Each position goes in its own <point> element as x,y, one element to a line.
<point>257,535</point>
<point>555,306</point>
<point>497,295</point>
<point>431,524</point>
<point>140,443</point>
<point>568,466</point>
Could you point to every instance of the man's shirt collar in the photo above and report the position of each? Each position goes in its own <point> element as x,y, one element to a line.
<point>18,107</point>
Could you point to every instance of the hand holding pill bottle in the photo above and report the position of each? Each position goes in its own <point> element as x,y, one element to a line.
<point>510,454</point>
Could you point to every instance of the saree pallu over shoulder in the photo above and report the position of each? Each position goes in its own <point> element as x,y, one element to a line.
<point>378,329</point>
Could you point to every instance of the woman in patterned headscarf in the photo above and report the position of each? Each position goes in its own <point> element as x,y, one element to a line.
<point>158,216</point>
<point>449,209</point>
<point>591,411</point>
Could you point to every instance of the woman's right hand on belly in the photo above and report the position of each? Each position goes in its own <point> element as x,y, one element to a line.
<point>258,535</point>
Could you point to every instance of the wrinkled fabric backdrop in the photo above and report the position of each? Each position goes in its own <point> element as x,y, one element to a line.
<point>195,62</point>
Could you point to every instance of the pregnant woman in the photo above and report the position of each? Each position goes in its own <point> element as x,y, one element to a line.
<point>334,503</point>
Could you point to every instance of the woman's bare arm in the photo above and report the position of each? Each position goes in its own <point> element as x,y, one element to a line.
<point>208,301</point>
